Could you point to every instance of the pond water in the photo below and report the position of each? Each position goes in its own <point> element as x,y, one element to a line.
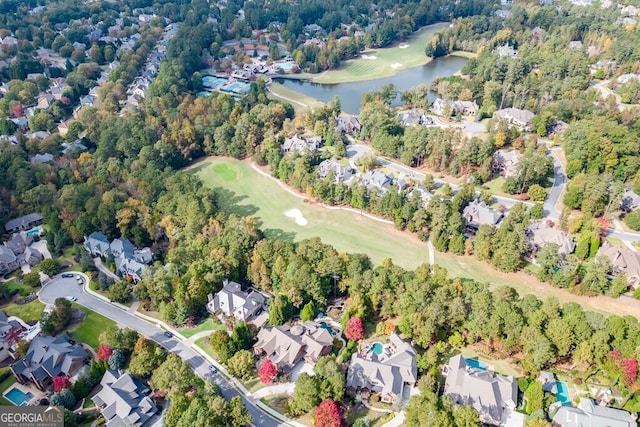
<point>351,93</point>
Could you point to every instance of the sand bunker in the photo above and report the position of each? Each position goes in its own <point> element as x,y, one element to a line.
<point>396,65</point>
<point>371,57</point>
<point>403,46</point>
<point>297,215</point>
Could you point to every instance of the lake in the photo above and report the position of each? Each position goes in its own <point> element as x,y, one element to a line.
<point>351,93</point>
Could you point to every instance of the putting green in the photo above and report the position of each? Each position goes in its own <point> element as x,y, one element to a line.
<point>257,195</point>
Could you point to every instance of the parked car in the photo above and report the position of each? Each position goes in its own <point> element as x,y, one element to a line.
<point>67,275</point>
<point>213,369</point>
<point>168,334</point>
<point>71,299</point>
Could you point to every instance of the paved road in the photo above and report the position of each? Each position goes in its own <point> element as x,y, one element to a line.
<point>60,287</point>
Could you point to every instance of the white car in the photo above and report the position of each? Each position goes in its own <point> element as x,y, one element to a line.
<point>71,299</point>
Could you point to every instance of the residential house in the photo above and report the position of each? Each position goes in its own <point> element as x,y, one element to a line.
<point>21,122</point>
<point>49,357</point>
<point>63,128</point>
<point>45,101</point>
<point>129,261</point>
<point>19,242</point>
<point>10,332</point>
<point>285,346</point>
<point>478,213</point>
<point>623,261</point>
<point>424,194</point>
<point>8,260</point>
<point>630,201</point>
<point>26,222</point>
<point>515,116</point>
<point>42,158</point>
<point>549,383</point>
<point>301,144</point>
<point>233,301</point>
<point>493,396</point>
<point>386,374</point>
<point>97,244</point>
<point>541,234</point>
<point>342,173</point>
<point>124,400</point>
<point>466,108</point>
<point>76,145</point>
<point>506,51</point>
<point>505,162</point>
<point>349,125</point>
<point>590,414</point>
<point>557,126</point>
<point>376,180</point>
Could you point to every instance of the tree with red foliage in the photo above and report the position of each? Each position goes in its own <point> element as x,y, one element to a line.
<point>355,329</point>
<point>328,414</point>
<point>629,371</point>
<point>61,382</point>
<point>18,110</point>
<point>267,372</point>
<point>104,353</point>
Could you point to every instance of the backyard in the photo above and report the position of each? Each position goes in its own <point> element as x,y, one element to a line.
<point>244,191</point>
<point>31,312</point>
<point>207,325</point>
<point>386,62</point>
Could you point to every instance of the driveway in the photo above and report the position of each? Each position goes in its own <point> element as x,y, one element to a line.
<point>60,287</point>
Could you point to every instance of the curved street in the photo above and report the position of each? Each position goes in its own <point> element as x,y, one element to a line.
<point>63,287</point>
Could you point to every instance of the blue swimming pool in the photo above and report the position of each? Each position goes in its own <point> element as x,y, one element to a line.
<point>377,348</point>
<point>563,394</point>
<point>18,397</point>
<point>474,363</point>
<point>286,66</point>
<point>34,232</point>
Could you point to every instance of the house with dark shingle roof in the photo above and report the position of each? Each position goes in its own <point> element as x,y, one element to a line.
<point>478,213</point>
<point>515,116</point>
<point>24,222</point>
<point>10,332</point>
<point>301,144</point>
<point>97,244</point>
<point>124,400</point>
<point>49,357</point>
<point>386,374</point>
<point>233,301</point>
<point>623,261</point>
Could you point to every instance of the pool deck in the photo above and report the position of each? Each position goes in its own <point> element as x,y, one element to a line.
<point>37,394</point>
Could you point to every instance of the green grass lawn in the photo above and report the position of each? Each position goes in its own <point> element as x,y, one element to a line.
<point>203,343</point>
<point>27,312</point>
<point>90,328</point>
<point>399,55</point>
<point>4,386</point>
<point>208,325</point>
<point>253,384</point>
<point>299,101</point>
<point>257,195</point>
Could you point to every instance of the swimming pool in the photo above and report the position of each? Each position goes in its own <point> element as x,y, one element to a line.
<point>18,397</point>
<point>285,66</point>
<point>377,348</point>
<point>563,393</point>
<point>34,232</point>
<point>324,325</point>
<point>474,363</point>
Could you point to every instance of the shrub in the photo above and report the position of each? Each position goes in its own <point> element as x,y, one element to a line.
<point>64,398</point>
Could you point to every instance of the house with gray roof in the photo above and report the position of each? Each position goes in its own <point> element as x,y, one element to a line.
<point>10,333</point>
<point>8,260</point>
<point>549,383</point>
<point>541,234</point>
<point>341,173</point>
<point>630,201</point>
<point>285,346</point>
<point>375,180</point>
<point>234,302</point>
<point>301,144</point>
<point>17,251</point>
<point>97,244</point>
<point>590,414</point>
<point>42,158</point>
<point>49,357</point>
<point>477,213</point>
<point>493,396</point>
<point>505,162</point>
<point>386,374</point>
<point>129,260</point>
<point>623,261</point>
<point>453,108</point>
<point>348,125</point>
<point>506,51</point>
<point>24,222</point>
<point>421,192</point>
<point>124,400</point>
<point>515,116</point>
